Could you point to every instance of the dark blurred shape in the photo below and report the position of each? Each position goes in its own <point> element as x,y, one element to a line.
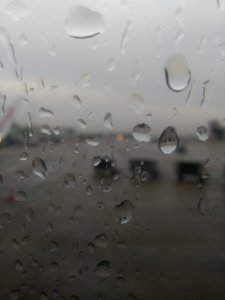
<point>140,166</point>
<point>216,130</point>
<point>189,170</point>
<point>181,149</point>
<point>105,168</point>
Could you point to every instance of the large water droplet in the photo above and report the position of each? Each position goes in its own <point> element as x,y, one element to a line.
<point>202,133</point>
<point>96,161</point>
<point>137,103</point>
<point>142,133</point>
<point>168,140</point>
<point>92,142</point>
<point>39,167</point>
<point>124,211</point>
<point>82,22</point>
<point>108,121</point>
<point>178,75</point>
<point>16,10</point>
<point>103,269</point>
<point>101,241</point>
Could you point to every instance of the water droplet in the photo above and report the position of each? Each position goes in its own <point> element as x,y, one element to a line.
<point>201,206</point>
<point>92,142</point>
<point>178,75</point>
<point>29,214</point>
<point>108,121</point>
<point>103,269</point>
<point>14,295</point>
<point>148,117</point>
<point>20,196</point>
<point>142,133</point>
<point>137,103</point>
<point>53,266</point>
<point>202,133</point>
<point>43,296</point>
<point>88,190</point>
<point>101,241</point>
<point>85,80</point>
<point>82,123</point>
<point>45,113</point>
<point>82,22</point>
<point>22,40</point>
<point>135,76</point>
<point>45,129</point>
<point>96,161</point>
<point>19,265</point>
<point>24,156</point>
<point>125,37</point>
<point>168,140</point>
<point>124,211</point>
<point>69,180</point>
<point>39,167</point>
<point>16,10</point>
<point>77,102</point>
<point>110,64</point>
<point>54,246</point>
<point>20,175</point>
<point>131,297</point>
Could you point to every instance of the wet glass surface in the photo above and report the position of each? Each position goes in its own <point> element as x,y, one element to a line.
<point>112,142</point>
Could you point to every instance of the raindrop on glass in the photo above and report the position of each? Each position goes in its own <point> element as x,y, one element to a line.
<point>20,196</point>
<point>168,140</point>
<point>124,212</point>
<point>177,73</point>
<point>22,40</point>
<point>82,123</point>
<point>39,167</point>
<point>101,241</point>
<point>103,269</point>
<point>108,123</point>
<point>69,180</point>
<point>45,113</point>
<point>202,133</point>
<point>83,22</point>
<point>142,133</point>
<point>137,103</point>
<point>77,102</point>
<point>16,10</point>
<point>110,64</point>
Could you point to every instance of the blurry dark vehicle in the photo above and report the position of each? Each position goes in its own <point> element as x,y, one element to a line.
<point>190,170</point>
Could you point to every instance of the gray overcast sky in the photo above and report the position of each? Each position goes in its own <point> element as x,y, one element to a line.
<point>160,28</point>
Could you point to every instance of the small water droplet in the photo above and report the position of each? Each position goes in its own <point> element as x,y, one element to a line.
<point>88,190</point>
<point>45,113</point>
<point>168,140</point>
<point>54,266</point>
<point>83,22</point>
<point>23,156</point>
<point>108,121</point>
<point>16,10</point>
<point>19,265</point>
<point>111,64</point>
<point>92,142</point>
<point>20,196</point>
<point>29,214</point>
<point>20,175</point>
<point>96,161</point>
<point>39,167</point>
<point>101,241</point>
<point>54,246</point>
<point>69,180</point>
<point>148,117</point>
<point>103,269</point>
<point>124,211</point>
<point>22,40</point>
<point>125,37</point>
<point>202,133</point>
<point>142,133</point>
<point>77,102</point>
<point>82,123</point>
<point>137,103</point>
<point>85,80</point>
<point>178,75</point>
